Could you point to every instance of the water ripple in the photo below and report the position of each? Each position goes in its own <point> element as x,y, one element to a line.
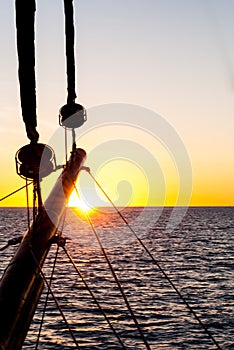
<point>198,257</point>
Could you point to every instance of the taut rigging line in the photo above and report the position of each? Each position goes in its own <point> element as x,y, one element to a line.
<point>93,296</point>
<point>47,297</point>
<point>19,189</point>
<point>115,276</point>
<point>87,169</point>
<point>61,241</point>
<point>56,301</point>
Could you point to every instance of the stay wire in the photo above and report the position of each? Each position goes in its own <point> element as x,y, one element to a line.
<point>65,134</point>
<point>93,296</point>
<point>157,263</point>
<point>56,301</point>
<point>50,281</point>
<point>34,201</point>
<point>19,189</point>
<point>115,277</point>
<point>27,199</point>
<point>12,241</point>
<point>47,298</point>
<point>18,239</point>
<point>63,221</point>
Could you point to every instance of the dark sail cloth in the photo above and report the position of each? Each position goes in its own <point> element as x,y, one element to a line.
<point>25,18</point>
<point>70,35</point>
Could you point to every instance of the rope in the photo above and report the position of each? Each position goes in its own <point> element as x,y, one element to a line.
<point>56,301</point>
<point>27,199</point>
<point>18,239</point>
<point>83,280</point>
<point>65,134</point>
<point>69,31</point>
<point>34,201</point>
<point>93,296</point>
<point>46,301</point>
<point>156,263</point>
<point>115,277</point>
<point>19,189</point>
<point>50,282</point>
<point>12,241</point>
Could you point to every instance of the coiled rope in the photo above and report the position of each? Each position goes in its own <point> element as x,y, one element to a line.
<point>155,261</point>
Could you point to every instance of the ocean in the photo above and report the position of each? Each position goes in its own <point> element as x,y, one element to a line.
<point>195,251</point>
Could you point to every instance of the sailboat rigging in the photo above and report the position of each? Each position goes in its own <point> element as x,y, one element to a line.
<point>23,281</point>
<point>22,284</point>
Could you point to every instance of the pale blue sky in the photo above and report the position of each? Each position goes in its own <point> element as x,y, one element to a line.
<point>175,57</point>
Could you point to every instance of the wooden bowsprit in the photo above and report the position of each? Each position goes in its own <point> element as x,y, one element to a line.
<point>21,285</point>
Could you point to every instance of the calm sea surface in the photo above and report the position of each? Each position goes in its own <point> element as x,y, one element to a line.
<point>197,255</point>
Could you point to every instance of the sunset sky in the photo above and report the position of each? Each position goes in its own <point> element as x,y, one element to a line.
<point>162,62</point>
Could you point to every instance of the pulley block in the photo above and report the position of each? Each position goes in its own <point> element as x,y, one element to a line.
<point>35,161</point>
<point>72,115</point>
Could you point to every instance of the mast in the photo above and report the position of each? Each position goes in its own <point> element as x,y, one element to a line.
<point>21,285</point>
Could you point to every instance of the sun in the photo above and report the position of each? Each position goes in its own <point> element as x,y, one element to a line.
<point>82,205</point>
<point>78,202</point>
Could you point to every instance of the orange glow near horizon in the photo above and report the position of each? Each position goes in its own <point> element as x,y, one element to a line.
<point>133,190</point>
<point>205,193</point>
<point>79,203</point>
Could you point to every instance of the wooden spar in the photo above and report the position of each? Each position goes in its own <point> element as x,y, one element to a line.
<point>21,284</point>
